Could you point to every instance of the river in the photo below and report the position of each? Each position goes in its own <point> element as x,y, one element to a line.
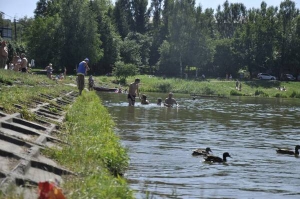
<point>160,141</point>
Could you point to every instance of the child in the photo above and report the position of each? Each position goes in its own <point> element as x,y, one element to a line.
<point>91,83</point>
<point>159,101</point>
<point>144,99</point>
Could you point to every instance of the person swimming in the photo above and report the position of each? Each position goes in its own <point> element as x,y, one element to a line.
<point>144,99</point>
<point>159,101</point>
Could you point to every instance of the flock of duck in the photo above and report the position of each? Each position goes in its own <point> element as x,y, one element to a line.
<point>211,158</point>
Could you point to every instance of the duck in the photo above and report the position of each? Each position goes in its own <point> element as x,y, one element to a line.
<point>201,151</point>
<point>289,152</point>
<point>211,158</point>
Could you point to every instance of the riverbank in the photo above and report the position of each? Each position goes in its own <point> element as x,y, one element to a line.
<point>89,148</point>
<point>255,88</point>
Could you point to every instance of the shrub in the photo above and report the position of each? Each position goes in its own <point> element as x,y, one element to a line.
<point>208,91</point>
<point>280,95</point>
<point>236,93</point>
<point>261,93</point>
<point>295,94</point>
<point>164,87</point>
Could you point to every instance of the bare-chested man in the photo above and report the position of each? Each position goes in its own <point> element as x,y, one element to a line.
<point>170,101</point>
<point>133,92</point>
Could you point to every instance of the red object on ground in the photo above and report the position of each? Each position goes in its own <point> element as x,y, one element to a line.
<point>48,190</point>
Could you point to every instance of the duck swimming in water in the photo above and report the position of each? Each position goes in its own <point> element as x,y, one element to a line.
<point>289,152</point>
<point>202,151</point>
<point>210,158</point>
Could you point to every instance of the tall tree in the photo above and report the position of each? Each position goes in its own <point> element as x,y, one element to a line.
<point>140,15</point>
<point>123,17</point>
<point>287,16</point>
<point>80,38</point>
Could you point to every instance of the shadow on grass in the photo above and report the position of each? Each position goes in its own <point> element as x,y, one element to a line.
<point>263,83</point>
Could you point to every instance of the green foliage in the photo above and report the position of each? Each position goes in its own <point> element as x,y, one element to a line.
<point>121,71</point>
<point>208,91</point>
<point>280,95</point>
<point>261,93</point>
<point>235,93</point>
<point>182,35</point>
<point>164,87</point>
<point>295,94</point>
<point>94,151</point>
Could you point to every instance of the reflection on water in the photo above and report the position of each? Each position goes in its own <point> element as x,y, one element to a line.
<point>160,142</point>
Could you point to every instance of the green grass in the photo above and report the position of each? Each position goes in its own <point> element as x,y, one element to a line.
<point>255,88</point>
<point>94,152</point>
<point>22,89</point>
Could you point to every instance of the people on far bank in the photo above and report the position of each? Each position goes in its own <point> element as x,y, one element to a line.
<point>16,62</point>
<point>3,54</point>
<point>238,85</point>
<point>170,101</point>
<point>81,72</point>
<point>133,92</point>
<point>49,70</point>
<point>23,63</point>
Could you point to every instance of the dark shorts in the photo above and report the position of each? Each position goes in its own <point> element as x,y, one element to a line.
<point>24,70</point>
<point>80,82</point>
<point>132,97</point>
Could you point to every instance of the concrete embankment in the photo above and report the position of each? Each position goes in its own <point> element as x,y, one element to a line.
<point>22,165</point>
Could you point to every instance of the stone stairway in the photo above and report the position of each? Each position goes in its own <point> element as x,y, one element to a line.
<point>22,166</point>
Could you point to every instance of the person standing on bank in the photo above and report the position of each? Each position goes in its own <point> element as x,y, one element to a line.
<point>24,63</point>
<point>133,92</point>
<point>3,54</point>
<point>81,72</point>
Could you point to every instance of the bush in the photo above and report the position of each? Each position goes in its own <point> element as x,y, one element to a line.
<point>236,93</point>
<point>261,93</point>
<point>121,71</point>
<point>280,95</point>
<point>208,91</point>
<point>164,87</point>
<point>295,94</point>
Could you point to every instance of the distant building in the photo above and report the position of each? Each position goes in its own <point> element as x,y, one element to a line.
<point>6,33</point>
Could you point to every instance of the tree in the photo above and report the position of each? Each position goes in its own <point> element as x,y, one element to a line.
<point>140,15</point>
<point>79,34</point>
<point>122,71</point>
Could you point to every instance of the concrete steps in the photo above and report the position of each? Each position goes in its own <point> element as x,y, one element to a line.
<point>22,165</point>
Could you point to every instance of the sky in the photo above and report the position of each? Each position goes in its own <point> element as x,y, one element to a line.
<point>22,8</point>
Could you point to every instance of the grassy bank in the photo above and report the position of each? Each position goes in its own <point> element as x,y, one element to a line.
<point>257,88</point>
<point>24,89</point>
<point>93,152</point>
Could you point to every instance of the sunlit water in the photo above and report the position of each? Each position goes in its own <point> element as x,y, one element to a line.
<point>160,142</point>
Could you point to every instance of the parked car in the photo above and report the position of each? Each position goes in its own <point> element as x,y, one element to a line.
<point>266,76</point>
<point>288,77</point>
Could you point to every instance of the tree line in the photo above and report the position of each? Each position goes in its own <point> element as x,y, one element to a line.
<point>168,37</point>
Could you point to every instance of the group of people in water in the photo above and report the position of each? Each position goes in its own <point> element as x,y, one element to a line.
<point>134,92</point>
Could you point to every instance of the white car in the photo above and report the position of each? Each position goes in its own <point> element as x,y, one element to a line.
<point>265,76</point>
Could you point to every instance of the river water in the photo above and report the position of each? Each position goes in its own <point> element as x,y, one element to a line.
<point>160,141</point>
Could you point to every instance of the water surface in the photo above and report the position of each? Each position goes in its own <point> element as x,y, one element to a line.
<point>160,142</point>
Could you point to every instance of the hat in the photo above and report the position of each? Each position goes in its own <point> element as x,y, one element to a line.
<point>86,59</point>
